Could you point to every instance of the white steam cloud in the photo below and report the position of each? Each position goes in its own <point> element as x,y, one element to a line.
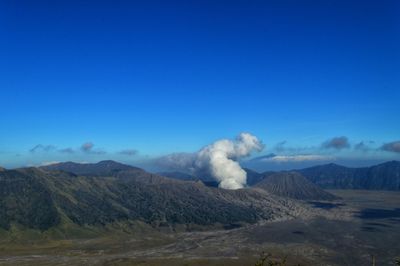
<point>220,159</point>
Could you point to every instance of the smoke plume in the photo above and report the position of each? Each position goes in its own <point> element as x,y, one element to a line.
<point>220,159</point>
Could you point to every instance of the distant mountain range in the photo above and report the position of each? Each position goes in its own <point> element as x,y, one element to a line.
<point>385,176</point>
<point>103,168</point>
<point>293,185</point>
<point>109,192</point>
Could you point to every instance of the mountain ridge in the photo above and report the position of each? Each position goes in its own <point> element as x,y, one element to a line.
<point>293,185</point>
<point>179,175</point>
<point>101,168</point>
<point>41,199</point>
<point>384,176</point>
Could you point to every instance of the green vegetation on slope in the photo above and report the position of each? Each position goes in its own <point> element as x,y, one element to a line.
<point>41,199</point>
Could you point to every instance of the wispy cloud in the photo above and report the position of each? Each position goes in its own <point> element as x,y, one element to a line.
<point>67,150</point>
<point>280,147</point>
<point>49,163</point>
<point>128,152</point>
<point>42,148</point>
<point>337,143</point>
<point>176,161</point>
<point>363,146</point>
<point>283,147</point>
<point>391,146</point>
<point>87,147</point>
<point>297,158</point>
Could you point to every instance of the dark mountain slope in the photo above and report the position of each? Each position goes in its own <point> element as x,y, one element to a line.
<point>103,168</point>
<point>293,185</point>
<point>330,175</point>
<point>253,177</point>
<point>268,173</point>
<point>179,176</point>
<point>26,201</point>
<point>384,176</point>
<point>41,199</point>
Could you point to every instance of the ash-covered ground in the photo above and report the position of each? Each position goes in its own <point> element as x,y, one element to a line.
<point>345,232</point>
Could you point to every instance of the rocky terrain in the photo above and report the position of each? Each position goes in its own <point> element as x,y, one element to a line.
<point>114,214</point>
<point>47,197</point>
<point>371,227</point>
<point>179,176</point>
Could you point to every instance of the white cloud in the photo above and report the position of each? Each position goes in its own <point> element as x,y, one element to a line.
<point>218,159</point>
<point>49,163</point>
<point>298,158</point>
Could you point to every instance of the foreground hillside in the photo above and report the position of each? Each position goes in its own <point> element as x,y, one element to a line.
<point>113,214</point>
<point>373,229</point>
<point>42,199</point>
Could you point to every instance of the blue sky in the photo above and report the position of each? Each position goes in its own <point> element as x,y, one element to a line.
<point>162,77</point>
